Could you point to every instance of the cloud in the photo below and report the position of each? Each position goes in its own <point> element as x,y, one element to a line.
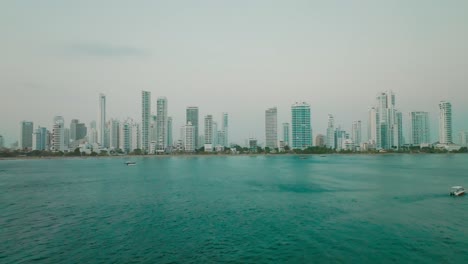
<point>105,50</point>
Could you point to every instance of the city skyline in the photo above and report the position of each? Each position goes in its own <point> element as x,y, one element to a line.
<point>223,58</point>
<point>385,100</point>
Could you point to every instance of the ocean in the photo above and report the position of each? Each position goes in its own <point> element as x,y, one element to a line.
<point>235,209</point>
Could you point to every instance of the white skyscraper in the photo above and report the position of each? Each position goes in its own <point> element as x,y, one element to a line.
<point>161,115</point>
<point>271,128</point>
<point>445,123</point>
<point>286,134</point>
<point>58,134</point>
<point>188,137</point>
<point>129,136</point>
<point>419,128</point>
<point>356,133</point>
<point>331,132</point>
<point>26,135</point>
<point>101,124</point>
<point>145,120</point>
<point>208,133</point>
<point>385,123</point>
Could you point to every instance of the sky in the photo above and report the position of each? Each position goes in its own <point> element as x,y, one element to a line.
<point>240,57</point>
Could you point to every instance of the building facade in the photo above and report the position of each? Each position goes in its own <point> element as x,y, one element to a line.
<point>419,128</point>
<point>385,123</point>
<point>286,134</point>
<point>101,124</point>
<point>191,115</point>
<point>301,126</point>
<point>161,115</point>
<point>356,133</point>
<point>331,132</point>
<point>320,140</point>
<point>208,133</point>
<point>26,135</point>
<point>145,120</point>
<point>225,129</point>
<point>445,123</point>
<point>40,139</point>
<point>271,128</point>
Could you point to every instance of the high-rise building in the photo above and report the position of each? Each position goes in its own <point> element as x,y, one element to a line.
<point>419,128</point>
<point>129,136</point>
<point>301,126</point>
<point>221,138</point>
<point>192,117</point>
<point>356,131</point>
<point>331,132</point>
<point>66,137</point>
<point>445,123</point>
<point>73,124</point>
<point>145,120</point>
<point>40,139</point>
<point>188,137</point>
<point>80,131</point>
<point>215,133</point>
<point>320,140</point>
<point>58,134</point>
<point>101,120</point>
<point>271,128</point>
<point>136,136</point>
<point>161,107</point>
<point>225,129</point>
<point>114,131</point>
<point>208,133</point>
<point>463,138</point>
<point>26,135</point>
<point>372,134</point>
<point>169,132</point>
<point>340,138</point>
<point>286,134</point>
<point>385,123</point>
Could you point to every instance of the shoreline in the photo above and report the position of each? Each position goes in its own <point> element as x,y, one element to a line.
<point>209,155</point>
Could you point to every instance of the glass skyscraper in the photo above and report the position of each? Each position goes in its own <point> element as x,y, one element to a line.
<point>301,127</point>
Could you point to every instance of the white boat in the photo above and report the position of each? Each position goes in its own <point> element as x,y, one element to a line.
<point>457,191</point>
<point>130,163</point>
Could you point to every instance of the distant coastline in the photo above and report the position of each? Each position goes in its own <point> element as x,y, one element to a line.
<point>223,155</point>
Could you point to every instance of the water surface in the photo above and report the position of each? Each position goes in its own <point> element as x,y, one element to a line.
<point>282,209</point>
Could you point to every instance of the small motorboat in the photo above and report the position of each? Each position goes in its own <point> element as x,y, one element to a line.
<point>457,191</point>
<point>130,163</point>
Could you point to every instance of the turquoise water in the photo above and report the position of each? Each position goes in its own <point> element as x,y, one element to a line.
<point>282,209</point>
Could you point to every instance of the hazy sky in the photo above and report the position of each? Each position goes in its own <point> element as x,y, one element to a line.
<point>240,57</point>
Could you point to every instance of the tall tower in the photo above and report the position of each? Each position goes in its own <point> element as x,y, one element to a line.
<point>356,133</point>
<point>385,122</point>
<point>331,132</point>
<point>286,134</point>
<point>226,129</point>
<point>101,119</point>
<point>26,135</point>
<point>271,128</point>
<point>161,116</point>
<point>58,134</point>
<point>169,132</point>
<point>192,117</point>
<point>208,132</point>
<point>445,123</point>
<point>419,128</point>
<point>145,120</point>
<point>301,126</point>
